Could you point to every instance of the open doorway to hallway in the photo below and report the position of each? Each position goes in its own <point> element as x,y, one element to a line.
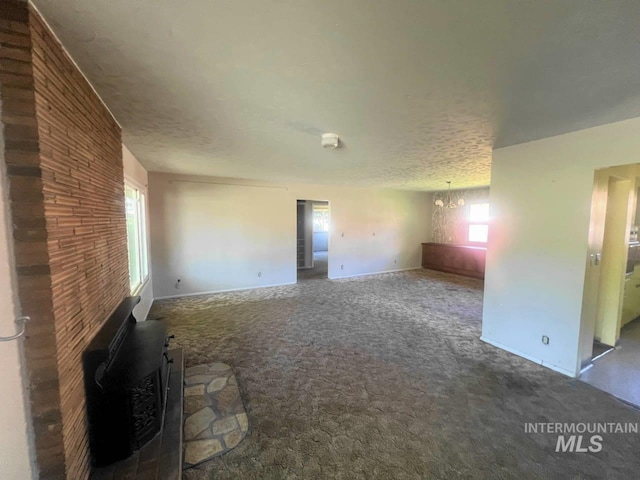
<point>611,305</point>
<point>312,239</point>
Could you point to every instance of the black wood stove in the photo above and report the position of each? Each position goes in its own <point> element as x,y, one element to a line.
<point>126,370</point>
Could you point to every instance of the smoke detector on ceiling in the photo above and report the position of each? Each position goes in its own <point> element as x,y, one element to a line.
<point>330,140</point>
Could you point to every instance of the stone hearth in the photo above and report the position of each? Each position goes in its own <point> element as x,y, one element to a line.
<point>214,417</point>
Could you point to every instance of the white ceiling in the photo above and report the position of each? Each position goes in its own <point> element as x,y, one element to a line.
<point>419,91</point>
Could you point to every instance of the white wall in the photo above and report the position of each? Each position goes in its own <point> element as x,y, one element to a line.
<point>217,234</point>
<point>16,461</point>
<point>540,199</point>
<point>137,174</point>
<point>320,241</point>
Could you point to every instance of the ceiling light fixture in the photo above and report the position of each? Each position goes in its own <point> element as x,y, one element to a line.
<point>447,202</point>
<point>330,140</point>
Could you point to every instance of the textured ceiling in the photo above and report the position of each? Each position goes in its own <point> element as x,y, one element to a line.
<point>419,91</point>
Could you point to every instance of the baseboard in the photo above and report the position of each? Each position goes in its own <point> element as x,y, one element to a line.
<point>529,357</point>
<point>586,367</point>
<point>375,273</point>
<point>166,297</point>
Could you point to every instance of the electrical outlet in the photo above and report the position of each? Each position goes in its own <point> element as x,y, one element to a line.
<point>395,261</point>
<point>178,284</point>
<point>545,339</point>
<point>259,274</point>
<point>341,267</point>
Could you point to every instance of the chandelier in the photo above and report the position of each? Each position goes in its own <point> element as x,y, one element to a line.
<point>447,202</point>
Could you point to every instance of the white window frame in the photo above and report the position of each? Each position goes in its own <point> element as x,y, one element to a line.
<point>143,234</point>
<point>484,222</point>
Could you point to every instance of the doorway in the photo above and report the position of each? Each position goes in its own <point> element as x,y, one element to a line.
<point>312,239</point>
<point>612,262</point>
<point>610,334</point>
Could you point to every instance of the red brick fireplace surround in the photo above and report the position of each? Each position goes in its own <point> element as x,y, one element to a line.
<point>63,159</point>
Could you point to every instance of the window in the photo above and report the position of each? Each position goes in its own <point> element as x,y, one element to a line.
<point>320,219</point>
<point>136,236</point>
<point>478,223</point>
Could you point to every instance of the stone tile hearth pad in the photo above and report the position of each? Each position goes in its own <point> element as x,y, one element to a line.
<point>214,417</point>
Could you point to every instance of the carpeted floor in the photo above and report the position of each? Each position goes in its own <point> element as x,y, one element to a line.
<point>385,377</point>
<point>320,268</point>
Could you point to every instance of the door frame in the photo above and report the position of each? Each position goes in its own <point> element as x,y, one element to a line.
<point>594,290</point>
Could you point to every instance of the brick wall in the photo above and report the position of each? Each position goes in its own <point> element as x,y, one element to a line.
<point>63,157</point>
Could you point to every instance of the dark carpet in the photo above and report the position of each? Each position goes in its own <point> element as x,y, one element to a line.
<point>385,377</point>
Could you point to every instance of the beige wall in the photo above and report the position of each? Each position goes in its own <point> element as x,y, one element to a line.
<point>219,234</point>
<point>15,441</point>
<point>539,244</point>
<point>137,174</point>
